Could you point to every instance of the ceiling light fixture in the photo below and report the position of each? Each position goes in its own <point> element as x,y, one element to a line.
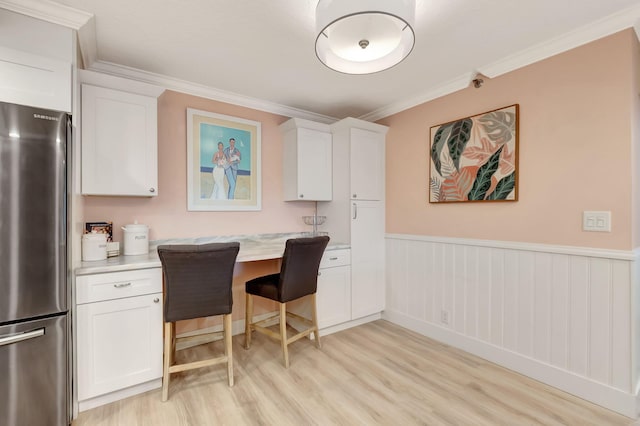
<point>364,36</point>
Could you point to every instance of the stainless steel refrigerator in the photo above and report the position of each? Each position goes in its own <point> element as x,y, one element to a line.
<point>34,302</point>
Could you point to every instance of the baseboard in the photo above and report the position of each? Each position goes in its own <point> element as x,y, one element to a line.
<point>597,393</point>
<point>343,326</point>
<point>120,394</point>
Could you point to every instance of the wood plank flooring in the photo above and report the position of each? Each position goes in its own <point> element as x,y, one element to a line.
<point>374,374</point>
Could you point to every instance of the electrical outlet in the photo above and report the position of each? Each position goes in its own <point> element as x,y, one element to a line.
<point>444,316</point>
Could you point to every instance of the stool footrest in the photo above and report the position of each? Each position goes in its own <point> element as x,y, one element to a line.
<point>197,364</point>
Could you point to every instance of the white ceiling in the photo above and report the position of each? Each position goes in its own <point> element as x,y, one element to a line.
<point>261,53</point>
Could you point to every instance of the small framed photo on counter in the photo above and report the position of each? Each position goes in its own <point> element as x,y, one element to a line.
<point>100,228</point>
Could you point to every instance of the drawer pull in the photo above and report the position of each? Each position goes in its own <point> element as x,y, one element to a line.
<point>156,300</point>
<point>333,258</point>
<point>122,285</point>
<point>319,273</point>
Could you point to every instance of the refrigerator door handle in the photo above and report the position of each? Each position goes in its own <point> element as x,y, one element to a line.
<point>20,337</point>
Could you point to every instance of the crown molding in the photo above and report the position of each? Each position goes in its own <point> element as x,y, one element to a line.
<point>56,13</point>
<point>206,92</point>
<point>611,24</point>
<point>627,18</point>
<point>49,11</point>
<point>447,88</point>
<point>84,23</point>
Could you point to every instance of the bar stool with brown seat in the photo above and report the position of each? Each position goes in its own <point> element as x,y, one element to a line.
<point>298,277</point>
<point>197,283</point>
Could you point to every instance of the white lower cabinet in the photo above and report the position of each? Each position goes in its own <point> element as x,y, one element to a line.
<point>119,331</point>
<point>333,298</point>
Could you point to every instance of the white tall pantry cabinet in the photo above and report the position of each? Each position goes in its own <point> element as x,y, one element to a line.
<point>356,213</point>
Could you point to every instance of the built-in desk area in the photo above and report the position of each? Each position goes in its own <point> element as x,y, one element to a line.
<point>118,311</point>
<point>253,248</point>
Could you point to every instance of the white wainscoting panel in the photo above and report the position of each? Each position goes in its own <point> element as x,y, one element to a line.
<point>562,315</point>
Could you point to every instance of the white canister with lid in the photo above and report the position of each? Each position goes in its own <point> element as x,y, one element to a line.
<point>136,239</point>
<point>94,246</point>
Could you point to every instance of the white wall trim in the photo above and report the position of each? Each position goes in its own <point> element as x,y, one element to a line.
<point>624,19</point>
<point>207,92</point>
<point>590,390</point>
<point>88,404</point>
<point>514,245</point>
<point>566,316</point>
<point>345,325</point>
<point>451,86</point>
<point>49,11</point>
<point>85,24</point>
<point>586,34</point>
<point>125,84</point>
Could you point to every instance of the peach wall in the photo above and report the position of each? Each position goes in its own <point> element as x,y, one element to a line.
<point>574,152</point>
<point>167,214</point>
<point>635,142</point>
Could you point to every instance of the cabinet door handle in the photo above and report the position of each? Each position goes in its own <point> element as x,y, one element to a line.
<point>355,211</point>
<point>319,273</point>
<point>122,285</point>
<point>152,190</point>
<point>156,300</point>
<point>301,195</point>
<point>355,196</point>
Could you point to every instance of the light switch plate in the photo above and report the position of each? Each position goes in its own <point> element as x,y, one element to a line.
<point>596,221</point>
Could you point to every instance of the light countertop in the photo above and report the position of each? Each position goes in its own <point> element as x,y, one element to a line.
<point>252,248</point>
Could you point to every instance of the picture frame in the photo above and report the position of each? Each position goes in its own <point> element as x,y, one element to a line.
<point>475,159</point>
<point>223,162</point>
<point>100,228</point>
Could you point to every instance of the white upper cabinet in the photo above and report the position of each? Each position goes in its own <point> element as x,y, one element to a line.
<point>119,142</point>
<point>367,164</point>
<point>36,60</point>
<point>306,160</point>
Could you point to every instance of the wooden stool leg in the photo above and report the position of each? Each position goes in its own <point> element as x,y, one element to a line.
<point>168,352</point>
<point>248,307</point>
<point>283,333</point>
<point>314,318</point>
<point>227,347</point>
<point>172,359</point>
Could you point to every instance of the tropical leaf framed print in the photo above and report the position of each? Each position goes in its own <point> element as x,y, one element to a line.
<point>475,158</point>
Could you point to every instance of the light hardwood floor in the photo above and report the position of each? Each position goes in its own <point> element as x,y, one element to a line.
<point>374,374</point>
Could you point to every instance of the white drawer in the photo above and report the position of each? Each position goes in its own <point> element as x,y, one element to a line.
<point>333,258</point>
<point>116,285</point>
